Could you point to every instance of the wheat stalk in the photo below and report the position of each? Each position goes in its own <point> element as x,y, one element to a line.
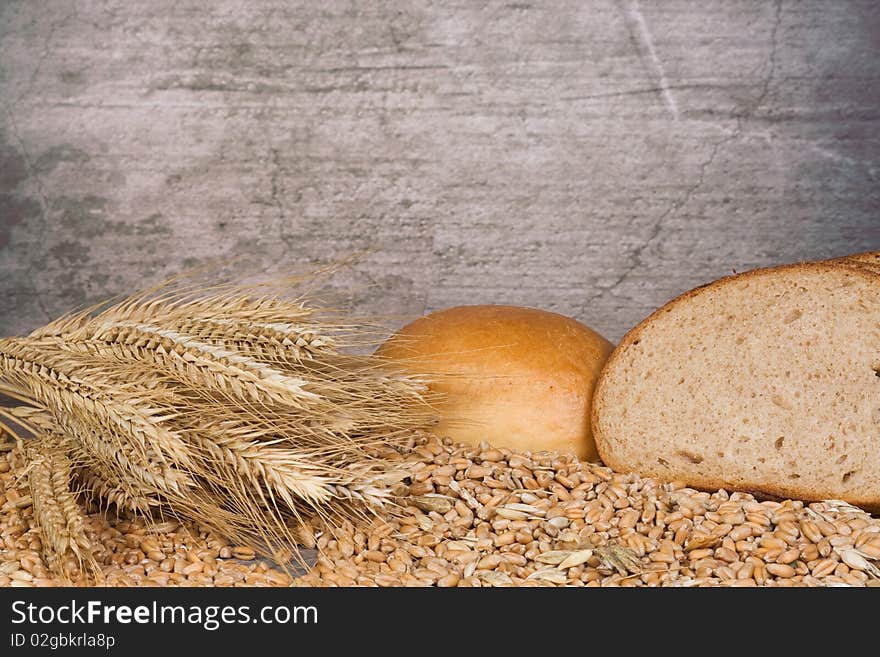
<point>229,406</point>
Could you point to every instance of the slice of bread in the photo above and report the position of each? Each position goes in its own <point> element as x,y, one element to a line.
<point>766,381</point>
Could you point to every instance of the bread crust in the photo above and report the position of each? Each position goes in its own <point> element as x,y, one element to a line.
<point>767,489</point>
<point>869,261</point>
<point>516,377</point>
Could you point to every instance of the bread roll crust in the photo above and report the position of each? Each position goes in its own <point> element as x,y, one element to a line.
<point>511,376</point>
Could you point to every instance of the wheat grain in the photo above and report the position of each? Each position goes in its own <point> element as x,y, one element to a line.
<point>431,543</point>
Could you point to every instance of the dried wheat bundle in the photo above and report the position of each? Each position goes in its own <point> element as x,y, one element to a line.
<point>230,406</point>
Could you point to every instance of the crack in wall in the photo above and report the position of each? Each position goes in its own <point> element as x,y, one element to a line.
<point>771,59</point>
<point>653,90</point>
<point>635,256</point>
<point>276,197</point>
<point>47,43</point>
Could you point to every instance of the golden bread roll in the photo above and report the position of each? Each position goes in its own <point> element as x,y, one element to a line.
<point>514,377</point>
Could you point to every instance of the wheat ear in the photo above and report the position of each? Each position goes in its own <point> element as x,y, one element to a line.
<point>66,548</point>
<point>201,363</point>
<point>57,380</point>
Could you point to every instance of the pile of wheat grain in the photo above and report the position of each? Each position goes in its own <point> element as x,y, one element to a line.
<point>479,516</point>
<point>494,517</point>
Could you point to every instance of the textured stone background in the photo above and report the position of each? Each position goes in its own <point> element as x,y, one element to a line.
<point>593,158</point>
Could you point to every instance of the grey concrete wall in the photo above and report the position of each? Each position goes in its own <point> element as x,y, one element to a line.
<point>594,158</point>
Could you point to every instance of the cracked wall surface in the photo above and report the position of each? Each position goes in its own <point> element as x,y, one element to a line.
<point>592,158</point>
